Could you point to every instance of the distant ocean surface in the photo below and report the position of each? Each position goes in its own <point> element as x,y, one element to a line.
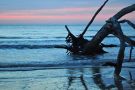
<point>30,47</point>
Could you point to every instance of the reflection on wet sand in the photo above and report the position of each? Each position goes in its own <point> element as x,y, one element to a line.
<point>100,81</point>
<point>97,78</point>
<point>71,78</point>
<point>131,82</point>
<point>94,78</point>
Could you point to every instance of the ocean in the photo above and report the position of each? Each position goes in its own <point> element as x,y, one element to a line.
<point>28,52</point>
<point>34,46</point>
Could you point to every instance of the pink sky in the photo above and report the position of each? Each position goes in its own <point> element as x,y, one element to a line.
<point>58,16</point>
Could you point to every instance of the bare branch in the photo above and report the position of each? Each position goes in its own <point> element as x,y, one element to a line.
<point>130,56</point>
<point>129,41</point>
<point>69,32</point>
<point>124,11</point>
<point>128,22</point>
<point>93,18</point>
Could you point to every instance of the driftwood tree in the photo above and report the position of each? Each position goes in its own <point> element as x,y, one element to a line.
<point>79,45</point>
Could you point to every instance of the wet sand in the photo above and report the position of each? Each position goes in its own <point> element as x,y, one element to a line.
<point>93,78</point>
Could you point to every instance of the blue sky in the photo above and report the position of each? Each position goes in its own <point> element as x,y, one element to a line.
<point>58,11</point>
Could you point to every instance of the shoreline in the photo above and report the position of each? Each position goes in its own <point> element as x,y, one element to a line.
<point>94,78</point>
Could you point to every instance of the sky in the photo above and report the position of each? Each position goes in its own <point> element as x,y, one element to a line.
<point>59,11</point>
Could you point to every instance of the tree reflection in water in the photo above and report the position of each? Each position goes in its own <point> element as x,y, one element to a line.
<point>131,81</point>
<point>71,78</point>
<point>97,78</point>
<point>79,75</point>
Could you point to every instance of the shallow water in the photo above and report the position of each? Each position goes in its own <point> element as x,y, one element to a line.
<point>29,61</point>
<point>67,79</point>
<point>33,46</point>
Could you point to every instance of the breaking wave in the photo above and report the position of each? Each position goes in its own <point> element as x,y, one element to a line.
<point>58,65</point>
<point>30,46</point>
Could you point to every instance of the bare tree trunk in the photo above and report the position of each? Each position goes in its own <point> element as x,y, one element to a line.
<point>94,46</point>
<point>107,29</point>
<point>118,33</point>
<point>81,45</point>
